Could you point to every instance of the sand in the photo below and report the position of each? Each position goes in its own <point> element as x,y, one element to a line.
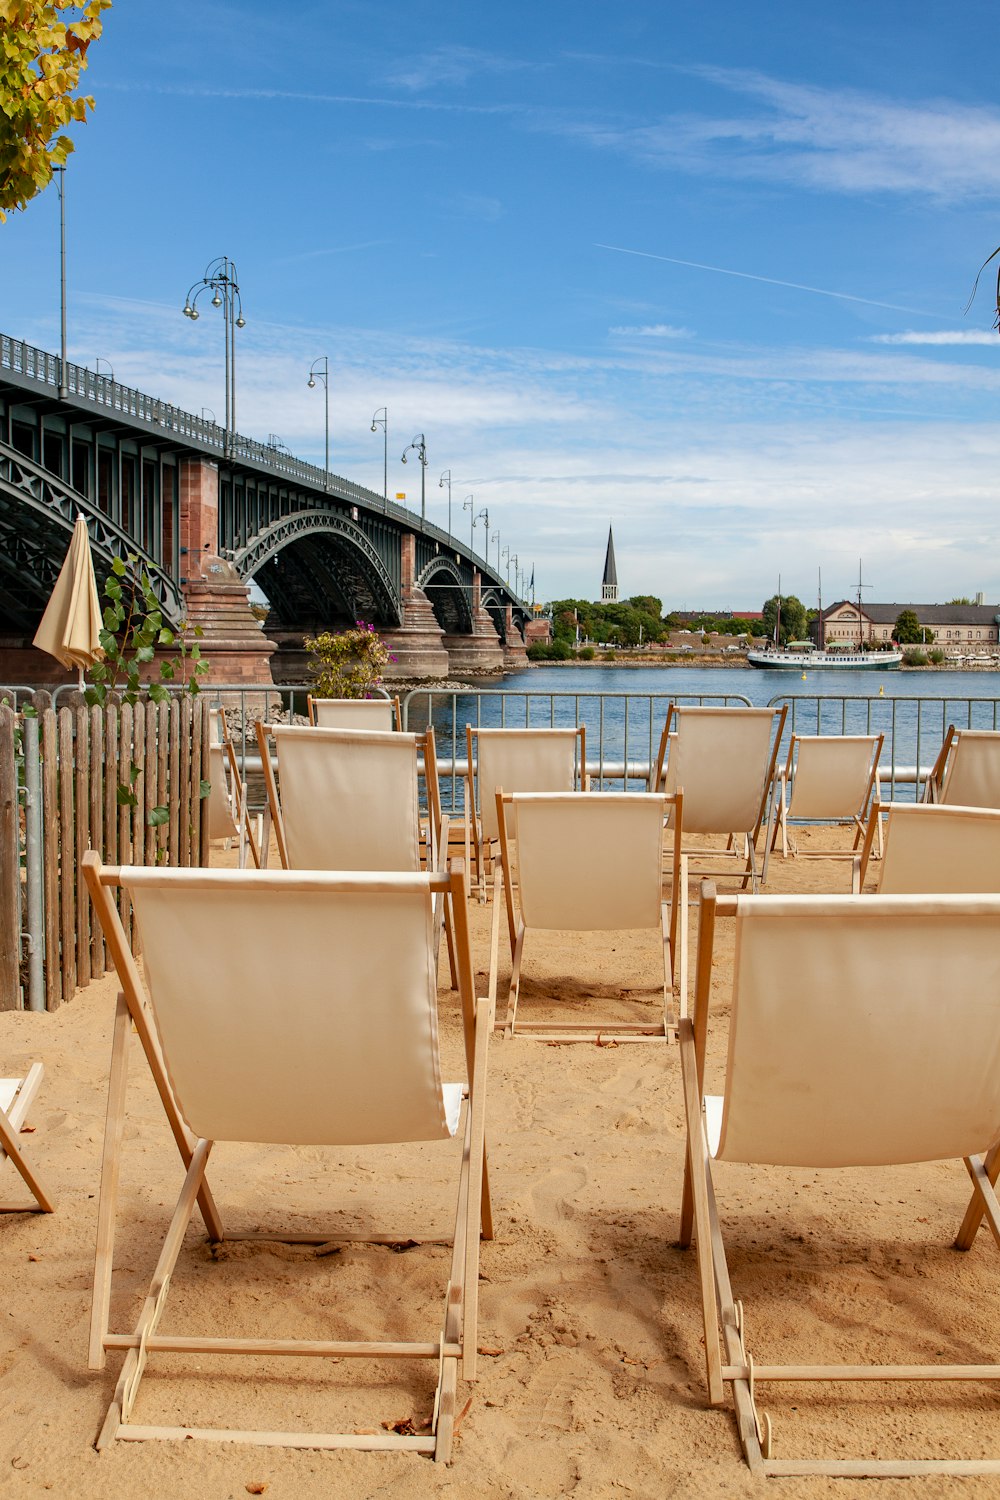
<point>591,1383</point>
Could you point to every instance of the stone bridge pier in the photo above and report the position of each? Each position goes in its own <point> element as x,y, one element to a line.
<point>420,645</point>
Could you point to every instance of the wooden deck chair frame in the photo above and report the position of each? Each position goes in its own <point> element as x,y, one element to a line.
<point>315,706</point>
<point>454,1347</point>
<point>855,818</point>
<point>945,782</point>
<point>673,927</point>
<point>946,868</point>
<point>660,775</point>
<point>480,848</point>
<point>434,834</point>
<point>249,842</point>
<point>16,1097</point>
<point>723,1316</point>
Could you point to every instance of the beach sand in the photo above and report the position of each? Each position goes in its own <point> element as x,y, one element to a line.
<point>592,1377</point>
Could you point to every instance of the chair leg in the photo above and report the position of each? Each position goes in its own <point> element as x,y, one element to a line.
<point>9,1146</point>
<point>974,1213</point>
<point>515,983</point>
<point>107,1201</point>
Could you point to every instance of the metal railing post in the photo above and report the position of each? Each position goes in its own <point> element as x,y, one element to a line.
<point>33,865</point>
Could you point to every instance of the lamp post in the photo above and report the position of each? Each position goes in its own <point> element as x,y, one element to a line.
<point>420,448</point>
<point>469,504</point>
<point>495,538</point>
<point>446,479</point>
<point>383,422</point>
<point>220,276</point>
<point>506,554</point>
<point>483,516</point>
<point>514,560</point>
<point>61,184</point>
<point>324,375</point>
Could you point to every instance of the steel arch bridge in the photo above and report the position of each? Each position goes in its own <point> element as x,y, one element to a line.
<point>322,549</point>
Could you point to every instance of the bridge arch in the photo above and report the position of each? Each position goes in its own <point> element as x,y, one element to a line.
<point>315,564</point>
<point>450,596</point>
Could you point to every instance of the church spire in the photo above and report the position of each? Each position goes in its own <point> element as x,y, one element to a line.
<point>609,584</point>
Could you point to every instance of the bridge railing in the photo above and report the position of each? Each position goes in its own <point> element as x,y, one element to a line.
<point>109,394</point>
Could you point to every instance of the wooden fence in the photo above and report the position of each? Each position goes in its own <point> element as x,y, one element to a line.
<point>59,797</point>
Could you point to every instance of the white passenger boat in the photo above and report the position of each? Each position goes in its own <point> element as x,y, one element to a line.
<point>814,661</point>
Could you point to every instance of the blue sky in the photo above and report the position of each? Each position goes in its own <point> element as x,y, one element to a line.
<point>697,271</point>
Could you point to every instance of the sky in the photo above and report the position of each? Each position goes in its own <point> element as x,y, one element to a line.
<point>699,273</point>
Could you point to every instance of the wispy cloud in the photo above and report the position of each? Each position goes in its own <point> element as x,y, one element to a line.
<point>452,66</point>
<point>769,280</point>
<point>650,331</point>
<point>834,140</point>
<point>946,337</point>
<point>287,260</point>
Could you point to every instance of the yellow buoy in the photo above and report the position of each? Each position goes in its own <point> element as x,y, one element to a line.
<point>803,677</point>
<point>881,690</point>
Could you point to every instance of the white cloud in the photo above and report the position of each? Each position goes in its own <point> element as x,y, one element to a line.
<point>947,337</point>
<point>718,468</point>
<point>835,140</point>
<point>651,331</point>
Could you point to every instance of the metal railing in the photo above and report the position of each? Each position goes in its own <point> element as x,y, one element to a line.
<point>623,729</point>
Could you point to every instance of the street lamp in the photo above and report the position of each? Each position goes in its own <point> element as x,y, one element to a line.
<point>324,375</point>
<point>495,538</point>
<point>506,554</point>
<point>220,276</point>
<point>514,560</point>
<point>483,516</point>
<point>420,448</point>
<point>383,422</point>
<point>446,479</point>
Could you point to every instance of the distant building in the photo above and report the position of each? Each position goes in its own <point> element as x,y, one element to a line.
<point>964,628</point>
<point>609,583</point>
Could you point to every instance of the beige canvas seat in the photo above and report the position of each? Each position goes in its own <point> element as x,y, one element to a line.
<point>355,713</point>
<point>724,759</point>
<point>967,770</point>
<point>519,760</point>
<point>587,864</point>
<point>16,1095</point>
<point>300,1010</point>
<point>228,813</point>
<point>833,779</point>
<point>933,848</point>
<point>863,1033</point>
<point>350,800</point>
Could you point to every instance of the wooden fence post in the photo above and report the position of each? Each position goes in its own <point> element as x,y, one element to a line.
<point>10,868</point>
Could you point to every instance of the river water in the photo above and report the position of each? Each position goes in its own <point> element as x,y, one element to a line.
<point>624,707</point>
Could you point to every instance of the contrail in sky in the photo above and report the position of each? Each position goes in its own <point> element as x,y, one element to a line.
<point>770,280</point>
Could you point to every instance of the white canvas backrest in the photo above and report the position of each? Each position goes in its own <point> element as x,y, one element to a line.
<point>936,847</point>
<point>972,776</point>
<point>349,799</point>
<point>831,775</point>
<point>522,760</point>
<point>719,758</point>
<point>221,822</point>
<point>295,1015</point>
<point>865,1030</point>
<point>354,713</point>
<point>589,864</point>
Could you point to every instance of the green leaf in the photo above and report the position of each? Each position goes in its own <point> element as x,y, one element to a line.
<point>126,798</point>
<point>206,787</point>
<point>158,693</point>
<point>167,670</point>
<point>118,567</point>
<point>166,637</point>
<point>110,619</point>
<point>113,588</point>
<point>158,816</point>
<point>144,653</point>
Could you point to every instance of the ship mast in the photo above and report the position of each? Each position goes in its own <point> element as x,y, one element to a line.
<point>819,605</point>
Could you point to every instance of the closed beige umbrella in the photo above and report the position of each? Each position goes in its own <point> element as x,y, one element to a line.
<point>71,625</point>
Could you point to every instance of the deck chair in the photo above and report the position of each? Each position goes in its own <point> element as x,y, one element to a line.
<point>833,779</point>
<point>724,759</point>
<point>586,864</point>
<point>967,770</point>
<point>349,800</point>
<point>16,1095</point>
<point>933,849</point>
<point>354,713</point>
<point>297,1009</point>
<point>519,760</point>
<point>863,1033</point>
<point>228,813</point>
